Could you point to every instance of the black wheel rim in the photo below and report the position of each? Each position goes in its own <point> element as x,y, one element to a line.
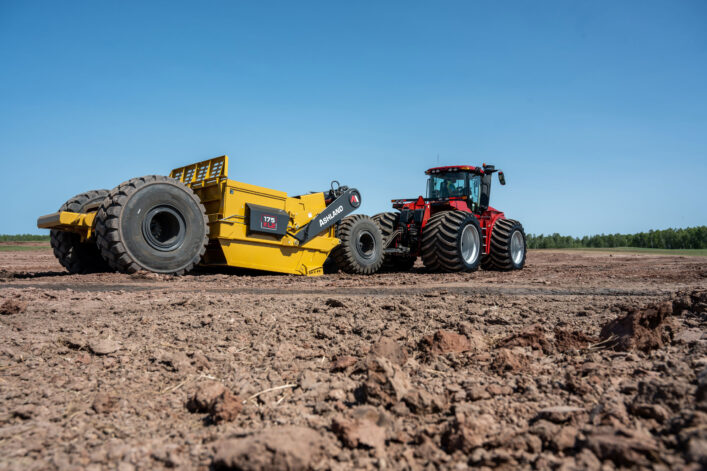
<point>164,228</point>
<point>366,245</point>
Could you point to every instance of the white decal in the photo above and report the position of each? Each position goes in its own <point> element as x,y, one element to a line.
<point>331,216</point>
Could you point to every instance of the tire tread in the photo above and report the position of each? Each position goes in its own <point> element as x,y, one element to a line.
<point>108,232</point>
<point>439,242</point>
<point>499,257</point>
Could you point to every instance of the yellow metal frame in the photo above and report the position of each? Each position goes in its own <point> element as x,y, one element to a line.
<point>80,223</point>
<point>232,244</point>
<point>230,241</point>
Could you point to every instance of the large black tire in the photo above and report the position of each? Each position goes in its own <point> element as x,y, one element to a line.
<point>152,223</point>
<point>74,255</point>
<point>451,241</point>
<point>387,222</point>
<point>508,247</point>
<point>361,248</point>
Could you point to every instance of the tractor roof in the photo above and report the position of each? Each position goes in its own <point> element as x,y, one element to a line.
<point>455,168</point>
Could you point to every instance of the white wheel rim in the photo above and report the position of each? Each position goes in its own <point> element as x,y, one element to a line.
<point>470,244</point>
<point>517,247</point>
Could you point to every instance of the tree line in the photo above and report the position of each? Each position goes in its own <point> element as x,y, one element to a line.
<point>23,238</point>
<point>688,238</point>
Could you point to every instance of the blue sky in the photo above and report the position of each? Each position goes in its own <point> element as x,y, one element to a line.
<point>595,110</point>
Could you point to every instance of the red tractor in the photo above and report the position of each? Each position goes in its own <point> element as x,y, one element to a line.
<point>454,228</point>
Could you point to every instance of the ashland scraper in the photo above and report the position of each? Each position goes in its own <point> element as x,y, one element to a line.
<point>197,215</point>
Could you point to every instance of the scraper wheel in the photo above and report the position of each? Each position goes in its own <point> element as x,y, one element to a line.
<point>152,223</point>
<point>74,255</point>
<point>361,247</point>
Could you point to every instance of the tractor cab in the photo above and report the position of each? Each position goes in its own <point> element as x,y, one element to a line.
<point>447,183</point>
<point>467,183</point>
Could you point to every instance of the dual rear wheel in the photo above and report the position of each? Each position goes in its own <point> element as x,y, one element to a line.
<point>151,223</point>
<point>451,241</point>
<point>508,246</point>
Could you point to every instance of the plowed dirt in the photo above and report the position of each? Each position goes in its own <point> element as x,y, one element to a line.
<point>233,370</point>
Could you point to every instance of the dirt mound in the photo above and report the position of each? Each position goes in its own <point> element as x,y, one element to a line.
<point>568,340</point>
<point>690,302</point>
<point>291,448</point>
<point>533,337</point>
<point>639,328</point>
<point>12,306</point>
<point>652,327</point>
<point>331,302</point>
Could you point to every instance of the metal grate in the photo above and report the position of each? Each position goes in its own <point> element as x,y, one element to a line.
<point>201,173</point>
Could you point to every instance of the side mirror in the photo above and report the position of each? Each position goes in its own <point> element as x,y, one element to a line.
<point>501,178</point>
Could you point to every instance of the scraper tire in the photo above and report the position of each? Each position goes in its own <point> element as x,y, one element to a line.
<point>152,223</point>
<point>361,248</point>
<point>74,255</point>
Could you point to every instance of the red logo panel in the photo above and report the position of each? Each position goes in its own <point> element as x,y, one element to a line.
<point>268,222</point>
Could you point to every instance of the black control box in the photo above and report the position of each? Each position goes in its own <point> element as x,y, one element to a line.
<point>267,220</point>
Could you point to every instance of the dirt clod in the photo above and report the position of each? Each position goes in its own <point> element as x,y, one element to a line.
<point>569,340</point>
<point>12,306</point>
<point>343,362</point>
<point>215,399</point>
<point>226,407</point>
<point>639,329</point>
<point>622,450</point>
<point>533,337</point>
<point>104,403</point>
<point>331,302</point>
<point>506,360</point>
<point>467,433</point>
<point>559,414</point>
<point>103,346</point>
<point>386,383</point>
<point>291,448</point>
<point>444,341</point>
<point>205,396</point>
<point>359,432</point>
<point>390,349</point>
<point>177,361</point>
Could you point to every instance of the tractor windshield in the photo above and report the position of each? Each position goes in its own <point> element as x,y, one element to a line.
<point>445,185</point>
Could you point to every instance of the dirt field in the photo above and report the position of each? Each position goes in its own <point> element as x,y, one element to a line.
<point>226,370</point>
